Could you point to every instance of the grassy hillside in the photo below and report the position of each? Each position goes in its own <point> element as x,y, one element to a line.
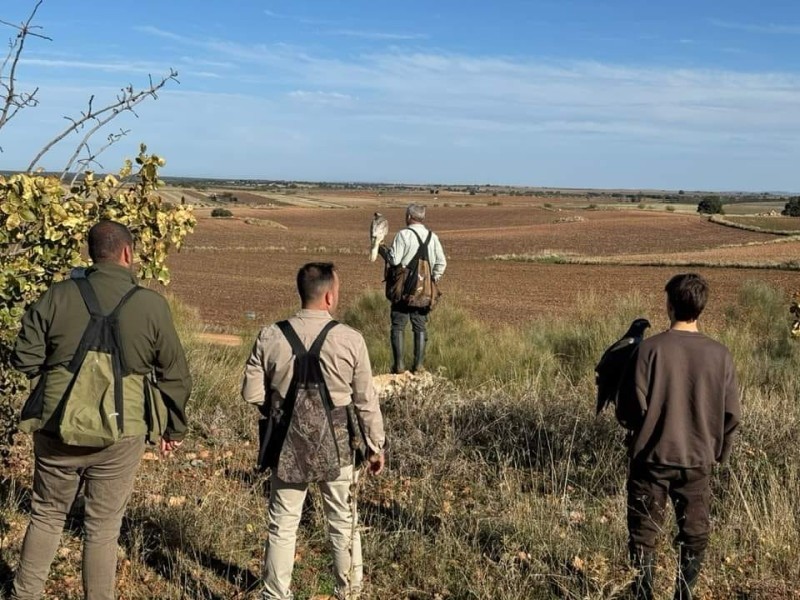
<point>501,485</point>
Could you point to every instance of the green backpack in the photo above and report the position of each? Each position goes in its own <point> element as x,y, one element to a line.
<point>91,411</point>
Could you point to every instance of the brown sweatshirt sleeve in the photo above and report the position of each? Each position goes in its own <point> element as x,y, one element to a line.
<point>733,409</point>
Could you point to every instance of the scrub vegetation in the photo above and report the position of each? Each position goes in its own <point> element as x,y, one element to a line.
<point>502,484</point>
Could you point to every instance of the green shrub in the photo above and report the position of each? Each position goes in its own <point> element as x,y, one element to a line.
<point>221,212</point>
<point>710,205</point>
<point>792,207</point>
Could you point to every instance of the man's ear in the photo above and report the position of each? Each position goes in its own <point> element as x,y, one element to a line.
<point>127,255</point>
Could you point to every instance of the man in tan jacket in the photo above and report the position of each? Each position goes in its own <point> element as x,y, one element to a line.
<point>348,376</point>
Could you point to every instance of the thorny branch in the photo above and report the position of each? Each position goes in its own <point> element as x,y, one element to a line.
<point>12,102</point>
<point>127,99</point>
<point>91,120</point>
<point>84,163</point>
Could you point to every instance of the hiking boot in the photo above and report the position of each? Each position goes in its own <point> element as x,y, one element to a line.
<point>397,352</point>
<point>688,573</point>
<point>419,351</point>
<point>645,565</point>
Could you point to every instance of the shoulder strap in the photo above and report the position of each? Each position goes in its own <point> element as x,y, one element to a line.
<point>422,248</point>
<point>297,345</point>
<point>298,349</point>
<point>89,297</point>
<point>316,347</point>
<point>93,304</point>
<point>124,299</point>
<point>419,239</point>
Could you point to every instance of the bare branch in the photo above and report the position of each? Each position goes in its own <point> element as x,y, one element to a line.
<point>10,101</point>
<point>112,139</point>
<point>126,101</point>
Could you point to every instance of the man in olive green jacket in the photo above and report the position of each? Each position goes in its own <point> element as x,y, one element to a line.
<point>51,332</point>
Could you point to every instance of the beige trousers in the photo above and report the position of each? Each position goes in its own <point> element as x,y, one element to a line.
<point>285,508</point>
<point>108,475</point>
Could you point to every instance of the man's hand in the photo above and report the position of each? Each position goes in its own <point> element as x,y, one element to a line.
<point>168,446</point>
<point>383,250</point>
<point>376,463</point>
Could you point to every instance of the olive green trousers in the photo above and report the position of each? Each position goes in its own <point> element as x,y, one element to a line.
<point>107,475</point>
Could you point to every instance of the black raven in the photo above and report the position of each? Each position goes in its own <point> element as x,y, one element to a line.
<point>608,372</point>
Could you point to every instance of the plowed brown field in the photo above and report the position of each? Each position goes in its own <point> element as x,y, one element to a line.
<point>229,268</point>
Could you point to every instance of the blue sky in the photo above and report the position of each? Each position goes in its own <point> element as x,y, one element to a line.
<point>571,93</point>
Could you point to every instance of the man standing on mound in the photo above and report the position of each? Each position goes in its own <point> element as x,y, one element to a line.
<point>402,252</point>
<point>680,400</point>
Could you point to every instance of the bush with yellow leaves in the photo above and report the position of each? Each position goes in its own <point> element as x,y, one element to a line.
<point>43,227</point>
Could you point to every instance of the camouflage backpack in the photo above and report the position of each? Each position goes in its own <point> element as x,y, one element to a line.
<point>307,438</point>
<point>91,410</point>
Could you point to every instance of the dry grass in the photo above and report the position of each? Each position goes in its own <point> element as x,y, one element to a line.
<point>501,485</point>
<point>773,225</point>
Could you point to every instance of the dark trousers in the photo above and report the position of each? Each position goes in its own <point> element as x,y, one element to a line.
<point>649,486</point>
<point>401,314</point>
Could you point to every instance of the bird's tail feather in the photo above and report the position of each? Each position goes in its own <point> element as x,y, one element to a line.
<point>373,255</point>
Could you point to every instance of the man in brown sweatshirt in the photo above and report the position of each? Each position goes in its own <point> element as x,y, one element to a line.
<point>680,400</point>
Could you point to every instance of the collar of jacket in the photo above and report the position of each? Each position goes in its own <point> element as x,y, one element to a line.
<point>307,313</point>
<point>113,270</point>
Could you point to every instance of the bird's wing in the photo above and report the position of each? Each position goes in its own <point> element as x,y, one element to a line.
<point>609,370</point>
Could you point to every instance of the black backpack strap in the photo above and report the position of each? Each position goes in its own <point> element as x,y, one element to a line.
<point>125,298</point>
<point>419,239</point>
<point>93,304</point>
<point>298,349</point>
<point>89,297</point>
<point>297,345</point>
<point>422,248</point>
<point>316,347</point>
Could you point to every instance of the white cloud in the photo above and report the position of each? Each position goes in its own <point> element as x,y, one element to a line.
<point>322,98</point>
<point>769,28</point>
<point>377,35</point>
<point>487,117</point>
<point>111,67</point>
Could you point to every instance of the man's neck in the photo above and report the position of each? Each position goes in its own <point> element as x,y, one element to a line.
<point>314,307</point>
<point>684,325</point>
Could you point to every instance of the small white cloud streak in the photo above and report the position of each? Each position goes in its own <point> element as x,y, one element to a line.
<point>377,35</point>
<point>322,98</point>
<point>768,29</point>
<point>109,67</point>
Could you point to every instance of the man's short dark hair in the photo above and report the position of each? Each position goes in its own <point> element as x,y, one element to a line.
<point>107,239</point>
<point>687,294</point>
<point>313,280</point>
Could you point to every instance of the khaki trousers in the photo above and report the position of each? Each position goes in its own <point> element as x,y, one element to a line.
<point>285,508</point>
<point>108,475</point>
